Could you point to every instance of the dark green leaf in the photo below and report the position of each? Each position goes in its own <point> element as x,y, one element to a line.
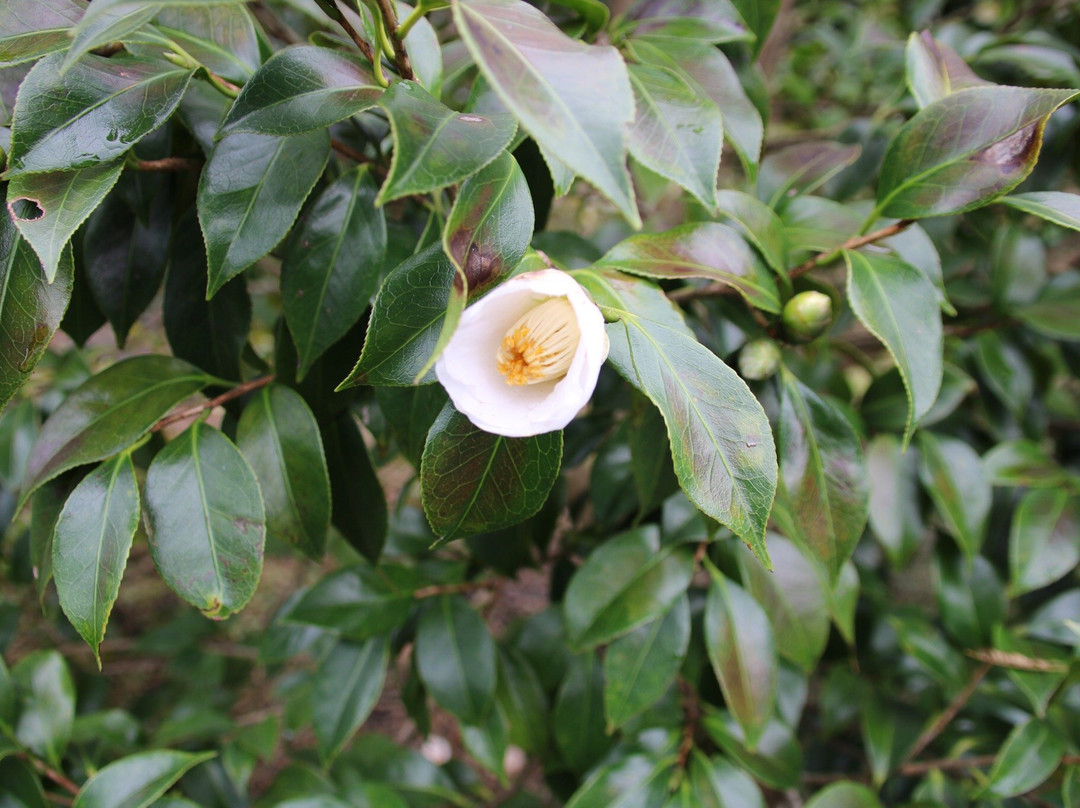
<point>759,16</point>
<point>474,482</point>
<point>900,307</point>
<point>125,258</point>
<point>220,36</point>
<point>91,543</point>
<point>639,667</point>
<point>1056,314</point>
<point>823,474</point>
<point>650,455</point>
<point>44,511</point>
<point>205,521</point>
<point>934,70</point>
<point>209,333</point>
<point>138,780</point>
<point>1038,686</point>
<point>578,717</point>
<point>888,731</point>
<point>19,785</point>
<point>700,250</point>
<point>332,265</point>
<point>1043,543</point>
<point>406,320</point>
<point>844,795</point>
<point>359,504</point>
<point>48,704</point>
<point>358,602</point>
<point>48,208</point>
<point>434,146</point>
<point>1054,206</point>
<point>574,99</point>
<point>347,685</point>
<point>759,223</point>
<point>895,517</point>
<point>995,134</point>
<point>280,439</point>
<point>1023,463</point>
<point>677,133</point>
<point>721,442</point>
<point>776,760</point>
<point>455,657</point>
<point>30,307</point>
<point>91,114</point>
<point>628,581</point>
<point>1031,753</point>
<point>522,699</point>
<point>953,475</point>
<point>250,194</point>
<point>802,169</point>
<point>108,413</point>
<point>636,781</point>
<point>971,599</point>
<point>739,641</point>
<point>33,28</point>
<point>302,89</point>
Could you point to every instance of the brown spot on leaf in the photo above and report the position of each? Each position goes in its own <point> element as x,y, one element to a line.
<point>1015,151</point>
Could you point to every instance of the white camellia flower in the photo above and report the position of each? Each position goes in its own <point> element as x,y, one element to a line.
<point>524,359</point>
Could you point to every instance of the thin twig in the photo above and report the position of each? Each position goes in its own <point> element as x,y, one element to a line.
<point>921,767</point>
<point>691,716</point>
<point>943,721</point>
<point>390,23</point>
<point>361,43</point>
<point>168,164</point>
<point>50,773</point>
<point>349,151</point>
<point>451,589</point>
<point>1019,662</point>
<point>228,395</point>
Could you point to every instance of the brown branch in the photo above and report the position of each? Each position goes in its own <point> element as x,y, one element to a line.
<point>921,767</point>
<point>49,773</point>
<point>943,721</point>
<point>451,589</point>
<point>390,23</point>
<point>228,395</point>
<point>361,43</point>
<point>349,151</point>
<point>168,164</point>
<point>691,716</point>
<point>1019,662</point>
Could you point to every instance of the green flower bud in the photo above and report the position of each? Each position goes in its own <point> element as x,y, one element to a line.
<point>807,315</point>
<point>759,360</point>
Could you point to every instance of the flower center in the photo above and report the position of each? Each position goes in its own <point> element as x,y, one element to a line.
<point>541,344</point>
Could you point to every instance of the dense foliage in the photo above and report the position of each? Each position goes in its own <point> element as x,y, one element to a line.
<point>813,541</point>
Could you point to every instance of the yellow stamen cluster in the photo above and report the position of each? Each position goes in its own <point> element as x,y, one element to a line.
<point>540,346</point>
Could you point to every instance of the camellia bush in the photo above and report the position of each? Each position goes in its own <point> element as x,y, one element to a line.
<point>648,404</point>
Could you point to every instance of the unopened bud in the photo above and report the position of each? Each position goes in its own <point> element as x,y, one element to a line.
<point>759,360</point>
<point>807,315</point>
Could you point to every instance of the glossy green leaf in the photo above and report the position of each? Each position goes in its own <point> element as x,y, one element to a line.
<point>1039,686</point>
<point>995,137</point>
<point>676,133</point>
<point>895,517</point>
<point>1056,314</point>
<point>44,511</point>
<point>953,475</point>
<point>108,413</point>
<point>650,455</point>
<point>1054,206</point>
<point>48,208</point>
<point>91,114</point>
<point>406,320</point>
<point>934,70</point>
<point>712,76</point>
<point>210,334</point>
<point>888,731</point>
<point>91,543</point>
<point>574,99</point>
<point>126,258</point>
<point>138,780</point>
<point>844,795</point>
<point>1030,755</point>
<point>347,685</point>
<point>628,581</point>
<point>475,482</point>
<point>823,475</point>
<point>332,265</point>
<point>20,786</point>
<point>802,169</point>
<point>112,20</point>
<point>522,700</point>
<point>359,504</point>
<point>250,193</point>
<point>899,306</point>
<point>358,602</point>
<point>639,667</point>
<point>280,439</point>
<point>455,657</point>
<point>30,308</point>
<point>739,641</point>
<point>221,36</point>
<point>434,146</point>
<point>33,28</point>
<point>48,704</point>
<point>710,21</point>
<point>301,89</point>
<point>795,597</point>
<point>1043,543</point>
<point>633,782</point>
<point>759,223</point>
<point>205,521</point>
<point>699,250</point>
<point>721,442</point>
<point>490,226</point>
<point>971,599</point>
<point>759,16</point>
<point>1023,463</point>
<point>578,715</point>
<point>716,783</point>
<point>775,760</point>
